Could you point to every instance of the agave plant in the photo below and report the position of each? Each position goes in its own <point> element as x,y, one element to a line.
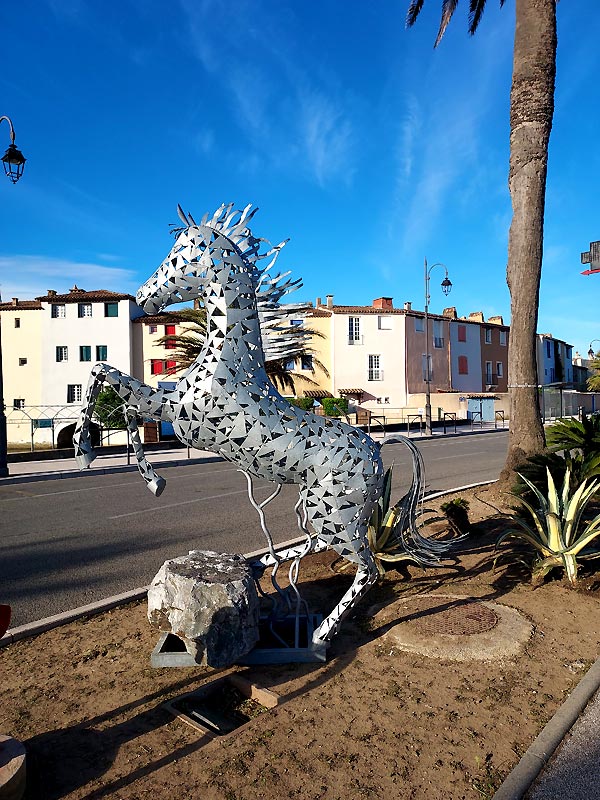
<point>555,533</point>
<point>393,531</point>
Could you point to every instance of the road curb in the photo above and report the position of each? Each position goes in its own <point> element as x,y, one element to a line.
<point>537,755</point>
<point>30,477</point>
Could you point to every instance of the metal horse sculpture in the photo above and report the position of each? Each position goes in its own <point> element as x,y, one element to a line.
<point>225,402</point>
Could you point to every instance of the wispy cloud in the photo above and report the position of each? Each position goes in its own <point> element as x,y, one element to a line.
<point>289,121</point>
<point>27,276</point>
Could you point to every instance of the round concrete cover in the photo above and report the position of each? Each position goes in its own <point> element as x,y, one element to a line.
<point>454,628</point>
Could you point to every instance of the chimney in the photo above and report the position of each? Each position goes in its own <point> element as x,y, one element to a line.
<point>496,320</point>
<point>15,301</point>
<point>450,312</point>
<point>318,303</point>
<point>51,293</point>
<point>384,303</point>
<point>329,299</point>
<point>476,316</point>
<point>408,306</point>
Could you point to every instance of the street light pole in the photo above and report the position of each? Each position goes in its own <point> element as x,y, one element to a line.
<point>446,287</point>
<point>14,162</point>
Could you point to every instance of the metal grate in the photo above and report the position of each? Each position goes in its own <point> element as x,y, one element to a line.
<point>454,617</point>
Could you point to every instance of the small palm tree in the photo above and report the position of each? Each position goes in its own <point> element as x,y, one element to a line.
<point>593,382</point>
<point>189,342</point>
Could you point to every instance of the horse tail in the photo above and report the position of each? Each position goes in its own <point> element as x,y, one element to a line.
<point>405,535</point>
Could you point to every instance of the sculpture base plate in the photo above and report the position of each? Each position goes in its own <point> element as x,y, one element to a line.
<point>278,644</point>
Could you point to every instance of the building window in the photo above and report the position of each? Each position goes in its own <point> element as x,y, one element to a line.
<point>384,323</point>
<point>101,352</point>
<point>22,362</point>
<point>488,335</point>
<point>85,353</point>
<point>462,333</point>
<point>74,393</point>
<point>111,309</point>
<point>353,330</point>
<point>17,322</point>
<point>427,367</point>
<point>375,373</point>
<point>58,311</point>
<point>153,328</point>
<point>170,344</point>
<point>19,402</point>
<point>290,364</point>
<point>552,375</point>
<point>296,322</point>
<point>157,366</point>
<point>463,365</point>
<point>438,334</point>
<point>499,369</point>
<point>171,366</point>
<point>503,338</point>
<point>62,353</point>
<point>84,310</point>
<point>306,362</point>
<point>419,324</point>
<point>488,373</point>
<point>548,349</point>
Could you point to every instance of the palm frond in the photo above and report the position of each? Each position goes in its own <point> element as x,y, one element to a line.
<point>413,12</point>
<point>448,9</point>
<point>476,9</point>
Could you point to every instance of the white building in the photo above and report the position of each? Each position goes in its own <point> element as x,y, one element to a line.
<point>49,346</point>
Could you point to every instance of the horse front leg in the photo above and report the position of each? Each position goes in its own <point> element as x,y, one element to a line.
<point>154,482</point>
<point>138,398</point>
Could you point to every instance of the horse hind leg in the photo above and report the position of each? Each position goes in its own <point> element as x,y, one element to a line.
<point>366,576</point>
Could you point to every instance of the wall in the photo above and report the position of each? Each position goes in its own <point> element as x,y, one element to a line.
<point>469,349</point>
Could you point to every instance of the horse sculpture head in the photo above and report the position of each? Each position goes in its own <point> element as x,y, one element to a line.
<point>200,252</point>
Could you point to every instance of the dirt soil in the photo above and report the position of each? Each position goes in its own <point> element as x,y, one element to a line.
<point>373,722</point>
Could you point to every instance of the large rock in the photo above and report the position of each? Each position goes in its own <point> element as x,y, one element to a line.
<point>209,600</point>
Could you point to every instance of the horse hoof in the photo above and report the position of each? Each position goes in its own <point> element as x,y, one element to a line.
<point>157,485</point>
<point>83,460</point>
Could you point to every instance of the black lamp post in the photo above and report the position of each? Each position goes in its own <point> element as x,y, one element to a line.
<point>446,287</point>
<point>591,353</point>
<point>14,162</point>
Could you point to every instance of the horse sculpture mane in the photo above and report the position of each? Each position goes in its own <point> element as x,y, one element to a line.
<point>225,402</point>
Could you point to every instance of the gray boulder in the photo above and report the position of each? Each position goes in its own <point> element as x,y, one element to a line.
<point>209,600</point>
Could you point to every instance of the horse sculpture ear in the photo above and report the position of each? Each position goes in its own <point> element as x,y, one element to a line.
<point>182,216</point>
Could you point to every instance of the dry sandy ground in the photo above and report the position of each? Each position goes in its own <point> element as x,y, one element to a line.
<point>374,722</point>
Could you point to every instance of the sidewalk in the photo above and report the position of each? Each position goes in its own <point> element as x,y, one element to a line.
<point>53,469</point>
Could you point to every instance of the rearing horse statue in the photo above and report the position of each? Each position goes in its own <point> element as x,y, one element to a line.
<point>225,403</point>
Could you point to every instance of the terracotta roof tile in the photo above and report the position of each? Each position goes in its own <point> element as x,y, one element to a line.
<point>21,305</point>
<point>76,295</point>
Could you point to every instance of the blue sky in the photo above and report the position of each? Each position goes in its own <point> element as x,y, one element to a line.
<point>358,140</point>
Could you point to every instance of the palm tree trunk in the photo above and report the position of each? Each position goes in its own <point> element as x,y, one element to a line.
<point>531,112</point>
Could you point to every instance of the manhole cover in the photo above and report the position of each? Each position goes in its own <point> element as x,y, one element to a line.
<point>454,618</point>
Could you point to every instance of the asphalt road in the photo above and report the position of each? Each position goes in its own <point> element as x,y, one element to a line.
<point>70,542</point>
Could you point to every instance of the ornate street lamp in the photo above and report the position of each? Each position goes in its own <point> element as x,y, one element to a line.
<point>446,287</point>
<point>13,159</point>
<point>591,353</point>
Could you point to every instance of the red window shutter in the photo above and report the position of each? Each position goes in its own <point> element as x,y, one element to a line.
<point>463,365</point>
<point>169,330</point>
<point>171,365</point>
<point>462,333</point>
<point>156,366</point>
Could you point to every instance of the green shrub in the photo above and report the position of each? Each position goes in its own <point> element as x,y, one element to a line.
<point>335,406</point>
<point>457,512</point>
<point>305,403</point>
